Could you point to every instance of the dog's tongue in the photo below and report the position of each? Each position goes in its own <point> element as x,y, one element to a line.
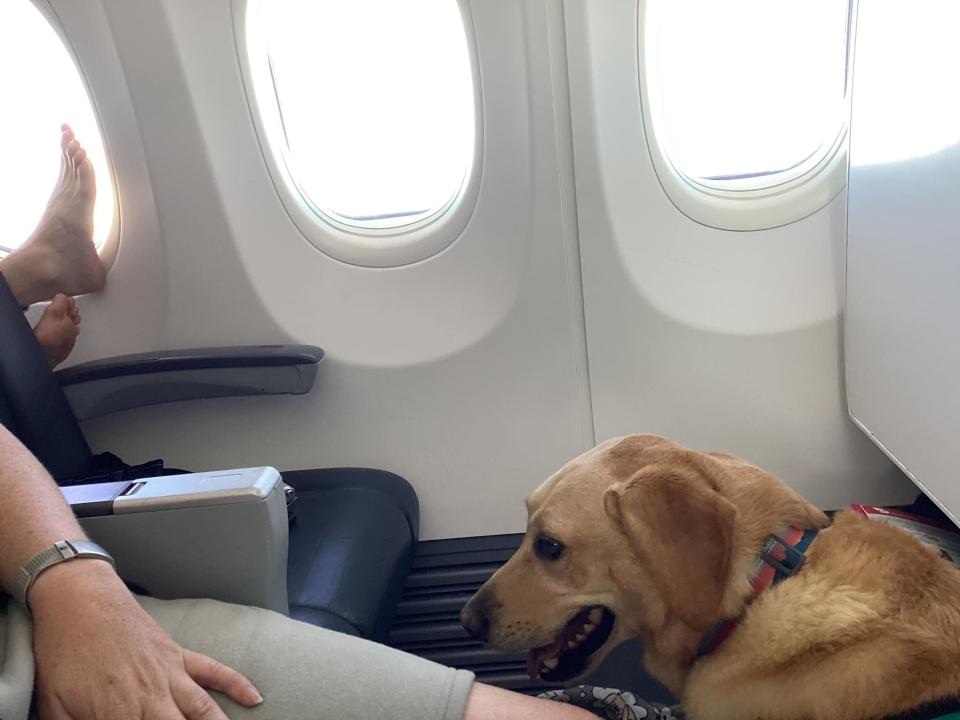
<point>536,656</point>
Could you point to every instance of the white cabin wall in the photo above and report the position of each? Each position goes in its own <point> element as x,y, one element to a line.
<point>723,340</point>
<point>465,372</point>
<point>130,315</point>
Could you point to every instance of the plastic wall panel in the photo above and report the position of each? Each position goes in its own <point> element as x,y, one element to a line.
<point>465,373</point>
<point>722,340</point>
<point>903,255</point>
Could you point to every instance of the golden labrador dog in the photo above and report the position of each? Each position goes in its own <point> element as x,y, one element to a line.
<point>641,537</point>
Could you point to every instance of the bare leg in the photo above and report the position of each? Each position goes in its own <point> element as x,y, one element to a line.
<point>60,257</point>
<point>490,703</point>
<point>58,329</point>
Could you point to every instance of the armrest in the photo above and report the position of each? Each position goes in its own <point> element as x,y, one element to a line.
<point>119,383</point>
<point>220,535</point>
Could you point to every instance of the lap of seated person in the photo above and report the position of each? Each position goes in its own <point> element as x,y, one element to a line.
<point>100,654</point>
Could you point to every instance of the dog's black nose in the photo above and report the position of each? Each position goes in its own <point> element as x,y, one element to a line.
<point>474,618</point>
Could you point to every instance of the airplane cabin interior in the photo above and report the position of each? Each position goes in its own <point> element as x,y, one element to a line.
<point>376,270</point>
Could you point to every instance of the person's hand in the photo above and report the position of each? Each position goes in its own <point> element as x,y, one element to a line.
<point>99,656</point>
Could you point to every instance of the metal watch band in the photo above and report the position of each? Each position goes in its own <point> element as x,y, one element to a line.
<point>61,551</point>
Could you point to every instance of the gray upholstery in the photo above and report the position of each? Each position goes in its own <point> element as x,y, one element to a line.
<point>351,546</point>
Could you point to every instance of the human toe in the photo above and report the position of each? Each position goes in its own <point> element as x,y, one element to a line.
<point>60,305</point>
<point>66,136</point>
<point>73,148</point>
<point>86,173</point>
<point>73,311</point>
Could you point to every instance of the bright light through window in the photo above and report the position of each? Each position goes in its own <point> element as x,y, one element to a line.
<point>41,89</point>
<point>745,88</point>
<point>905,102</point>
<point>377,104</point>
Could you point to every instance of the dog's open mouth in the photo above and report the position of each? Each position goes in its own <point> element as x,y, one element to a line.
<point>567,656</point>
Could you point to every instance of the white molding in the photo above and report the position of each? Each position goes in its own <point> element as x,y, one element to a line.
<point>757,203</point>
<point>364,246</point>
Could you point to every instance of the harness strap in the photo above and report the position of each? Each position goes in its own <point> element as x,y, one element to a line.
<point>782,556</point>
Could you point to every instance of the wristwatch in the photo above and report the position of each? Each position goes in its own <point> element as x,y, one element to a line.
<point>60,551</point>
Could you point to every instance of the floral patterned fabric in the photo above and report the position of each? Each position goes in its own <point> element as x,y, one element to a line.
<point>613,704</point>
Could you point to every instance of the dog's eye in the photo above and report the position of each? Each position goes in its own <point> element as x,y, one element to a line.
<point>547,548</point>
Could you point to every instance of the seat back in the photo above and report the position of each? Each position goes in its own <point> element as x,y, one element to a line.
<point>32,404</point>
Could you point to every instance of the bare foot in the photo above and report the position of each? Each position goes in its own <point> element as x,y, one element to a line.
<point>58,329</point>
<point>60,257</point>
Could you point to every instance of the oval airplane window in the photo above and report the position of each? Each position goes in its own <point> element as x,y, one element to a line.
<point>370,106</point>
<point>746,97</point>
<point>42,89</point>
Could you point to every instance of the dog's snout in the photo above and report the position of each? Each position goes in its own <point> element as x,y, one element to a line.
<point>475,617</point>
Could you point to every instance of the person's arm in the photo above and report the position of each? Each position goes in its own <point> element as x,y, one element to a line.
<point>99,656</point>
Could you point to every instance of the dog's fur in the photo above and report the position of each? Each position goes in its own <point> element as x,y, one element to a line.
<point>667,538</point>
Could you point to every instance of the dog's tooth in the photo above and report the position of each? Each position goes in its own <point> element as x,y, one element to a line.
<point>595,615</point>
<point>580,637</point>
<point>589,627</point>
<point>571,644</point>
<point>551,664</point>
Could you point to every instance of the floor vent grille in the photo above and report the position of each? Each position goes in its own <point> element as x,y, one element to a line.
<point>445,574</point>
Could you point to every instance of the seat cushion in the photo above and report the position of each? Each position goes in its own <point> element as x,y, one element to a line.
<point>351,545</point>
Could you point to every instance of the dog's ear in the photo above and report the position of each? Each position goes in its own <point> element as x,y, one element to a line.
<point>682,529</point>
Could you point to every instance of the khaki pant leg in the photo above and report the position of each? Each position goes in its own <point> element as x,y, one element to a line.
<point>309,673</point>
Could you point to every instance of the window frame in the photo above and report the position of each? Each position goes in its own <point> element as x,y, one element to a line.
<point>365,246</point>
<point>752,203</point>
<point>110,246</point>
